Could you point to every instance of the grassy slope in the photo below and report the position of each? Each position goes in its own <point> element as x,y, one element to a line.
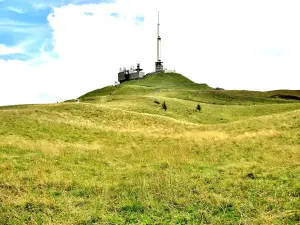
<point>177,86</point>
<point>162,79</point>
<point>117,158</point>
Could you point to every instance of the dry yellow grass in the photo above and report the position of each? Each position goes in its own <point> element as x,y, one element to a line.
<point>126,161</point>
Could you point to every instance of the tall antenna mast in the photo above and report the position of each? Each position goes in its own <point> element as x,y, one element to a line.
<point>158,64</point>
<point>158,41</point>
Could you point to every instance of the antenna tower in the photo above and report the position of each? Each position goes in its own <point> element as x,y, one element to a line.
<point>158,64</point>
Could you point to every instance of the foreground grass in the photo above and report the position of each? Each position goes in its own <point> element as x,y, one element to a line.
<point>122,160</point>
<point>118,158</point>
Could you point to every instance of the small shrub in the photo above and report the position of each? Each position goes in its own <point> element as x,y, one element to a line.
<point>250,176</point>
<point>198,107</point>
<point>164,165</point>
<point>164,106</point>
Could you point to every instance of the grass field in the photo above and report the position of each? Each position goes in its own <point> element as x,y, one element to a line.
<point>118,158</point>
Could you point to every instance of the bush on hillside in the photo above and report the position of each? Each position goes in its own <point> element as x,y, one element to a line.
<point>164,106</point>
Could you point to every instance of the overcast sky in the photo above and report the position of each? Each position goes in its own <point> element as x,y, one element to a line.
<point>60,49</point>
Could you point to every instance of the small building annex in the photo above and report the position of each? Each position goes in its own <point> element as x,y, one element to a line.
<point>130,74</point>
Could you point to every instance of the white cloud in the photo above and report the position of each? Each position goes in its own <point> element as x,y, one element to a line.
<point>4,50</point>
<point>18,10</point>
<point>231,44</point>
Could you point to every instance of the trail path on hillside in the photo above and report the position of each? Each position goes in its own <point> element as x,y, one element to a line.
<point>156,91</point>
<point>171,85</point>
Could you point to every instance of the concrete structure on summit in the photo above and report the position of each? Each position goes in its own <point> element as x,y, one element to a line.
<point>130,74</point>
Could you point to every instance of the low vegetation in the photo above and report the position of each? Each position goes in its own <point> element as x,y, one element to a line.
<point>117,157</point>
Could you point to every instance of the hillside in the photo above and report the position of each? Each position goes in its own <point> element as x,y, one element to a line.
<point>116,157</point>
<point>177,86</point>
<point>151,84</point>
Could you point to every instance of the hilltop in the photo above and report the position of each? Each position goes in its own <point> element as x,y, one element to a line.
<point>148,85</point>
<point>174,85</point>
<point>117,157</point>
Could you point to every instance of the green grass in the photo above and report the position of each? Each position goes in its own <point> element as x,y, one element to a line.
<point>176,86</point>
<point>226,97</point>
<point>118,158</point>
<point>161,79</point>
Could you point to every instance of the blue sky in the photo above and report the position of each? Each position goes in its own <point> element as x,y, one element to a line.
<point>24,24</point>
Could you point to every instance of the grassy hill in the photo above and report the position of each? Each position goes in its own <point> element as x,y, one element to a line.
<point>176,86</point>
<point>162,79</point>
<point>118,158</point>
